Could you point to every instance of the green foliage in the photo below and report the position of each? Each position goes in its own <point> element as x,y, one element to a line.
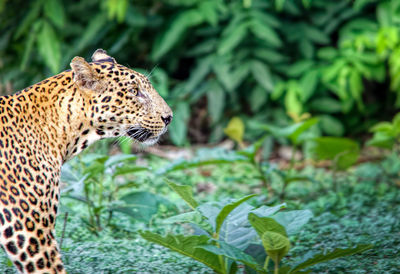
<point>386,134</point>
<point>249,59</point>
<point>95,181</point>
<point>343,152</point>
<point>229,221</point>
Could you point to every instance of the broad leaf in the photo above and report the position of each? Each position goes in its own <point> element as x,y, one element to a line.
<point>185,192</point>
<point>293,220</point>
<point>188,246</point>
<point>228,209</point>
<point>337,253</point>
<point>264,224</point>
<point>276,245</point>
<point>342,151</point>
<point>233,253</point>
<point>193,217</point>
<point>141,205</point>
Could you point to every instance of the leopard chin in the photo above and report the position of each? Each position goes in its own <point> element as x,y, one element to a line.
<point>143,136</point>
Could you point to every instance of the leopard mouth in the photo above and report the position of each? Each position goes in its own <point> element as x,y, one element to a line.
<point>140,134</point>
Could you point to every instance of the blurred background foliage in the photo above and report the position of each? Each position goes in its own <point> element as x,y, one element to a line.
<point>260,61</point>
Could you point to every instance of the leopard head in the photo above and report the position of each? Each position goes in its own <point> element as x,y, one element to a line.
<point>121,101</point>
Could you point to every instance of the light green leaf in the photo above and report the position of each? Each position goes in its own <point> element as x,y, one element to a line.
<point>235,129</point>
<point>276,245</point>
<point>185,192</point>
<point>188,246</point>
<point>327,53</point>
<point>308,84</point>
<point>292,102</point>
<point>49,47</point>
<point>265,33</point>
<point>264,224</point>
<point>337,253</point>
<point>342,151</point>
<point>232,39</point>
<point>54,10</point>
<point>228,209</point>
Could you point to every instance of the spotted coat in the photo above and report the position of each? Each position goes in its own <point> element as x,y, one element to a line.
<point>46,124</point>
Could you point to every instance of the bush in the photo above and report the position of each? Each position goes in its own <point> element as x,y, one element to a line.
<point>215,59</point>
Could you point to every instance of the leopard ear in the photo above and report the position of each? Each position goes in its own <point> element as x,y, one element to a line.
<point>101,55</point>
<point>85,76</point>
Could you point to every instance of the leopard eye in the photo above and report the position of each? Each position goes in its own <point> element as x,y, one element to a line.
<point>137,92</point>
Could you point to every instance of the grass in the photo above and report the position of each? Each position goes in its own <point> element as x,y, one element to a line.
<point>365,208</point>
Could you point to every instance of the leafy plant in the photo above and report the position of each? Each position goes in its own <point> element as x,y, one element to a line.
<point>228,227</point>
<point>95,180</point>
<point>386,134</point>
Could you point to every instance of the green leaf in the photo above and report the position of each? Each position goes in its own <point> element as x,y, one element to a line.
<point>316,35</point>
<point>258,98</point>
<point>49,47</point>
<point>331,126</point>
<point>327,53</point>
<point>175,32</point>
<point>178,127</point>
<point>209,157</point>
<point>141,205</point>
<point>228,209</point>
<point>188,246</point>
<point>293,131</point>
<point>193,217</point>
<point>262,74</point>
<point>119,158</point>
<point>232,39</point>
<point>292,102</point>
<point>299,68</point>
<point>382,140</point>
<point>264,224</point>
<point>209,11</point>
<point>91,31</point>
<point>342,151</point>
<point>235,129</point>
<point>215,102</point>
<point>270,56</point>
<point>308,84</point>
<point>276,245</point>
<point>54,10</point>
<point>337,253</point>
<point>265,33</point>
<point>293,220</point>
<point>185,192</point>
<point>326,105</point>
<point>29,19</point>
<point>233,253</point>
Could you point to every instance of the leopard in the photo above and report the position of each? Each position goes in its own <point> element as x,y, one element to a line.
<point>48,123</point>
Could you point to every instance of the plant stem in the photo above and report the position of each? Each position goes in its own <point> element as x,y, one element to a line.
<point>266,263</point>
<point>276,269</point>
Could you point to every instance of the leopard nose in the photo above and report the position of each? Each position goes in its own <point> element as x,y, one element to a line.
<point>167,120</point>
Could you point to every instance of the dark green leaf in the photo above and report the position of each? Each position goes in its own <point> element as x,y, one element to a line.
<point>337,253</point>
<point>188,246</point>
